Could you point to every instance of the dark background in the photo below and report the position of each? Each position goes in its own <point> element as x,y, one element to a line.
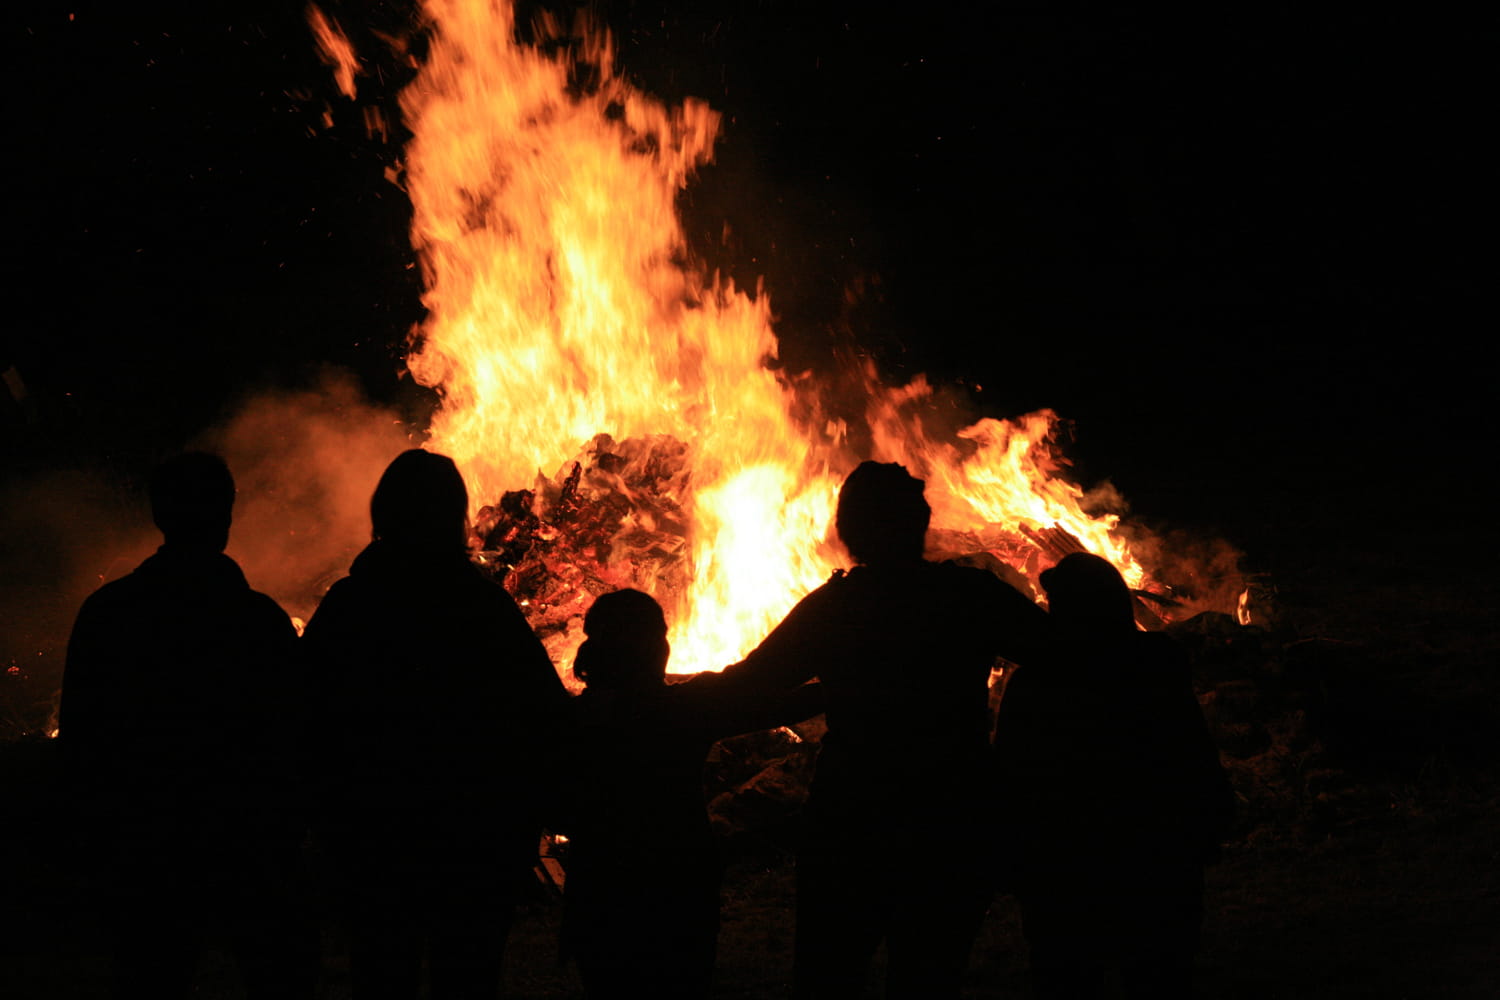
<point>1236,245</point>
<point>1247,255</point>
<point>1243,254</point>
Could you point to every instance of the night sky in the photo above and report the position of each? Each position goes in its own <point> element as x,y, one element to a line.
<point>1242,252</point>
<point>1248,255</point>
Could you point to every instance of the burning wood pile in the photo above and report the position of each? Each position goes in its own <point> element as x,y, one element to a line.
<point>615,517</point>
<point>612,520</point>
<point>563,300</point>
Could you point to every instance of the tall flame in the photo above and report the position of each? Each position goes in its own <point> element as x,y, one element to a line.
<point>563,304</point>
<point>561,307</point>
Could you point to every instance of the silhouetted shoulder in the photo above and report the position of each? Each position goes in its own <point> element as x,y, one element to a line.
<point>174,628</point>
<point>336,596</point>
<point>270,615</point>
<point>881,610</point>
<point>105,603</point>
<point>1153,670</point>
<point>344,600</point>
<point>1161,648</point>
<point>444,583</point>
<point>1014,622</point>
<point>791,654</point>
<point>439,611</point>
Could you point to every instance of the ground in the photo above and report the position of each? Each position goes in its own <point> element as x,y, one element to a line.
<point>1365,865</point>
<point>1410,909</point>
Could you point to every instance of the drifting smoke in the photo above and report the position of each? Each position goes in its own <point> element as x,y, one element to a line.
<point>65,532</point>
<point>305,463</point>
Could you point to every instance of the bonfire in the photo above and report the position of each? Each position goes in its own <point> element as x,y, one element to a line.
<point>615,405</point>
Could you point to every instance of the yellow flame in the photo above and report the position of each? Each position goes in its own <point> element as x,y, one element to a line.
<point>561,308</point>
<point>563,304</point>
<point>999,481</point>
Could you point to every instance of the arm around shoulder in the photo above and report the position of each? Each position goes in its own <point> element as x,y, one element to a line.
<point>794,651</point>
<point>1021,633</point>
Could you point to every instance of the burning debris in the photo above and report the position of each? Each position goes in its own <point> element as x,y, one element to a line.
<point>611,520</point>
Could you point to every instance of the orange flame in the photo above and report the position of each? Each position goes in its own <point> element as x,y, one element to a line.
<point>560,308</point>
<point>335,49</point>
<point>562,304</point>
<point>1003,484</point>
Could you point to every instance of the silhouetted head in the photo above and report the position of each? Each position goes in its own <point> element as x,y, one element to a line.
<point>1086,592</point>
<point>882,515</point>
<point>627,642</point>
<point>421,503</point>
<point>192,498</point>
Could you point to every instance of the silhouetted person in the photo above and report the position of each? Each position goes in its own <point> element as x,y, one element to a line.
<point>1112,796</point>
<point>178,722</point>
<point>437,707</point>
<point>642,896</point>
<point>904,649</point>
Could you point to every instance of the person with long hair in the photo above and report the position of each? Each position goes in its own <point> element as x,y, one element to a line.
<point>436,708</point>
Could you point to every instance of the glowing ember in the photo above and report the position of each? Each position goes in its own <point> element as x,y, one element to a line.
<point>567,323</point>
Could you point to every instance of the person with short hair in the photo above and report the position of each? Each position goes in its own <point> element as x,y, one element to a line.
<point>904,648</point>
<point>641,914</point>
<point>179,724</point>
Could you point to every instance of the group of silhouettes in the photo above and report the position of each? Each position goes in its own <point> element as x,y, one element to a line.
<point>410,747</point>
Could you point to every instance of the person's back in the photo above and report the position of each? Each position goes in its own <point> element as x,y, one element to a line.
<point>180,692</point>
<point>179,725</point>
<point>904,649</point>
<point>436,703</point>
<point>433,699</point>
<point>904,654</point>
<point>643,874</point>
<point>1111,793</point>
